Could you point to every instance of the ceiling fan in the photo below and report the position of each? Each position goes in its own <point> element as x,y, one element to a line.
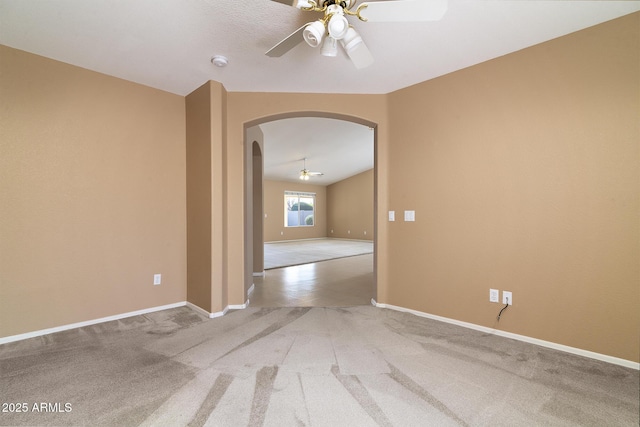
<point>305,174</point>
<point>334,27</point>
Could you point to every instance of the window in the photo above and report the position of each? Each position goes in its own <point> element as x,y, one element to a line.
<point>299,209</point>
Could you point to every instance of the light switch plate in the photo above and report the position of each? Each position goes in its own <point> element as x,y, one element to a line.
<point>409,215</point>
<point>494,295</point>
<point>392,215</point>
<point>157,279</point>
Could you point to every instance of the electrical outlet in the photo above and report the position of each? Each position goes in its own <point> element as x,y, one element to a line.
<point>494,295</point>
<point>157,279</point>
<point>507,297</point>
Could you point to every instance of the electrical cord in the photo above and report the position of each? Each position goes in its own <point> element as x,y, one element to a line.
<point>503,309</point>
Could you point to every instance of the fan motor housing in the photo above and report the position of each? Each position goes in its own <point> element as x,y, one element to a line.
<point>344,4</point>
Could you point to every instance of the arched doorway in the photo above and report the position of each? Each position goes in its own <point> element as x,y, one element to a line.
<point>254,244</point>
<point>254,202</point>
<point>258,209</point>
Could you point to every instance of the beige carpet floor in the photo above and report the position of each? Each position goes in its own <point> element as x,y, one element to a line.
<point>284,254</point>
<point>359,366</point>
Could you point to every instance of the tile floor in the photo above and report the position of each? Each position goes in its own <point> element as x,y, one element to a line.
<point>335,283</point>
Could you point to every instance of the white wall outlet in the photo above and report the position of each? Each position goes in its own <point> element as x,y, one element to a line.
<point>392,215</point>
<point>157,279</point>
<point>507,297</point>
<point>365,233</point>
<point>494,295</point>
<point>282,233</point>
<point>348,231</point>
<point>409,215</point>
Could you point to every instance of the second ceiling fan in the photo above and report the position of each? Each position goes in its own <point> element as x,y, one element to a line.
<point>333,28</point>
<point>305,173</point>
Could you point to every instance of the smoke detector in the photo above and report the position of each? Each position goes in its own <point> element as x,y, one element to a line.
<point>219,61</point>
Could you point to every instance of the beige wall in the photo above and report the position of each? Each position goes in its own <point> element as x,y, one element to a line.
<point>255,201</point>
<point>199,197</point>
<point>524,174</point>
<point>274,229</point>
<point>92,195</point>
<point>350,207</point>
<point>206,192</point>
<point>245,110</point>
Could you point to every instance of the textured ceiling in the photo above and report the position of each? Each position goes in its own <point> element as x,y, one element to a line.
<point>337,148</point>
<point>168,45</point>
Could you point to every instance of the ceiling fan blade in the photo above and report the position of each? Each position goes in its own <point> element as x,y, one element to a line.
<point>360,55</point>
<point>287,44</point>
<point>287,2</point>
<point>315,173</point>
<point>300,4</point>
<point>403,10</point>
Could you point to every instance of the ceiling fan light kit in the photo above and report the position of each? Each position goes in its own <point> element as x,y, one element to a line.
<point>338,24</point>
<point>304,4</point>
<point>329,47</point>
<point>335,26</point>
<point>356,49</point>
<point>351,41</point>
<point>314,33</point>
<point>305,175</point>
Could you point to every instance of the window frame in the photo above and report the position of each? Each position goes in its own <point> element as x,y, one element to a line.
<point>301,220</point>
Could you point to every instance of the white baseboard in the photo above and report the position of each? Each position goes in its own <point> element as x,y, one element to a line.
<point>524,338</point>
<point>321,238</point>
<point>351,240</point>
<point>251,289</point>
<point>258,274</point>
<point>27,335</point>
<point>297,240</point>
<point>205,312</point>
<point>543,343</point>
<point>219,313</point>
<point>238,306</point>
